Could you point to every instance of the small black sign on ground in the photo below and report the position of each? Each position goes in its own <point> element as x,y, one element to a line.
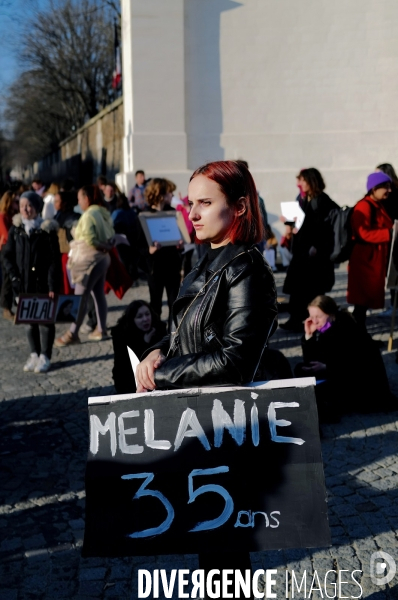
<point>205,470</point>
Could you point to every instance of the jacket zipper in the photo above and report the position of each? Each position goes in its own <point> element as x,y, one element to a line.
<point>198,311</point>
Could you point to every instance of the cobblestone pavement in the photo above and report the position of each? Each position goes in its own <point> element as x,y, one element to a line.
<point>44,440</point>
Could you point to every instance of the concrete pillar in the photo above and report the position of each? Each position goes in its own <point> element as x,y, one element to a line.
<point>153,91</point>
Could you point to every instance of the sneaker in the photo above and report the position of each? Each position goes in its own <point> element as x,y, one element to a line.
<point>8,314</point>
<point>31,363</point>
<point>67,339</point>
<point>43,364</point>
<point>98,336</point>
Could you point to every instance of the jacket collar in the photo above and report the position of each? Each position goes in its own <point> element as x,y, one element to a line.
<point>47,225</point>
<point>197,276</point>
<point>225,256</point>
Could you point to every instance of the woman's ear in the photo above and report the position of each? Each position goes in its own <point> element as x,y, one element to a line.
<point>241,206</point>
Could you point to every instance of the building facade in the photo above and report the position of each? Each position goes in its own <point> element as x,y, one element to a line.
<point>283,84</point>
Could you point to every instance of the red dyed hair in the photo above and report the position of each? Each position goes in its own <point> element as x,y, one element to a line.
<point>235,182</point>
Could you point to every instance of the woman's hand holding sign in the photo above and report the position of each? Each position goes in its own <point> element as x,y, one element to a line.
<point>145,374</point>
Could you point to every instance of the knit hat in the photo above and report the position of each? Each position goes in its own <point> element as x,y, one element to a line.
<point>375,179</point>
<point>35,200</point>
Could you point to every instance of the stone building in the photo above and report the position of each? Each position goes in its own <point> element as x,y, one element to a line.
<point>284,84</point>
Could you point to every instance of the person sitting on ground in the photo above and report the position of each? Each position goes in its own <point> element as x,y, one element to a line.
<point>89,261</point>
<point>32,259</point>
<point>138,328</point>
<point>344,359</point>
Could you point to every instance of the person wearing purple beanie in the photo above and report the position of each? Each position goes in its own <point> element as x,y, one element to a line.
<point>367,267</point>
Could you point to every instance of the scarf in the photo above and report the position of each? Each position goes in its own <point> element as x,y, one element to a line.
<point>31,224</point>
<point>325,327</point>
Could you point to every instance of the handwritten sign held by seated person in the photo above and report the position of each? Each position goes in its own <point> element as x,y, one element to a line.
<point>205,470</point>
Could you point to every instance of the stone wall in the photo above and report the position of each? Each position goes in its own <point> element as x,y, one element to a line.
<point>94,149</point>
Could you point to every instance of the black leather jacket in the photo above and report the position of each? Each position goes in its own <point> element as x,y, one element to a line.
<point>223,335</point>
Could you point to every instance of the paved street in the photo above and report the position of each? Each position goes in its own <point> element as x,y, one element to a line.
<point>44,441</point>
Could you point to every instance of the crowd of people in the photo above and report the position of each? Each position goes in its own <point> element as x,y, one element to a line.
<point>57,239</point>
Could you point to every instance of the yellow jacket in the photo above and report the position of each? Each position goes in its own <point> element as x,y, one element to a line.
<point>94,226</point>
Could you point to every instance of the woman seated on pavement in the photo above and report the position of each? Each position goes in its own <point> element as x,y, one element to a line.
<point>138,328</point>
<point>344,359</point>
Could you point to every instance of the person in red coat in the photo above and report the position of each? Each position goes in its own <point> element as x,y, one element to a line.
<point>367,267</point>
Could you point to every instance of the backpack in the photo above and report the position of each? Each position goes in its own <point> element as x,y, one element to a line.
<point>340,221</point>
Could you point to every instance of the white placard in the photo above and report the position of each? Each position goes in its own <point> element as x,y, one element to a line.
<point>164,229</point>
<point>292,211</point>
<point>135,361</point>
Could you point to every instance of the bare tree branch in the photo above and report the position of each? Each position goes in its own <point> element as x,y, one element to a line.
<point>67,56</point>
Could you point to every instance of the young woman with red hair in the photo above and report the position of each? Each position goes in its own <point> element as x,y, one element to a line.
<point>226,307</point>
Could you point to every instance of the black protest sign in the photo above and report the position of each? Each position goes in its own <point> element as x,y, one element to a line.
<point>205,470</point>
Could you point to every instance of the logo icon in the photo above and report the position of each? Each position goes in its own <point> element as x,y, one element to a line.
<point>379,563</point>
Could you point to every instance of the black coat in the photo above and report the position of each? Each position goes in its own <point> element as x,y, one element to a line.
<point>225,331</point>
<point>67,220</point>
<point>391,204</point>
<point>35,260</point>
<point>315,231</point>
<point>354,366</point>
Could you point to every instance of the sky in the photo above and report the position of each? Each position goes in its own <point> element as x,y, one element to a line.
<point>13,15</point>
